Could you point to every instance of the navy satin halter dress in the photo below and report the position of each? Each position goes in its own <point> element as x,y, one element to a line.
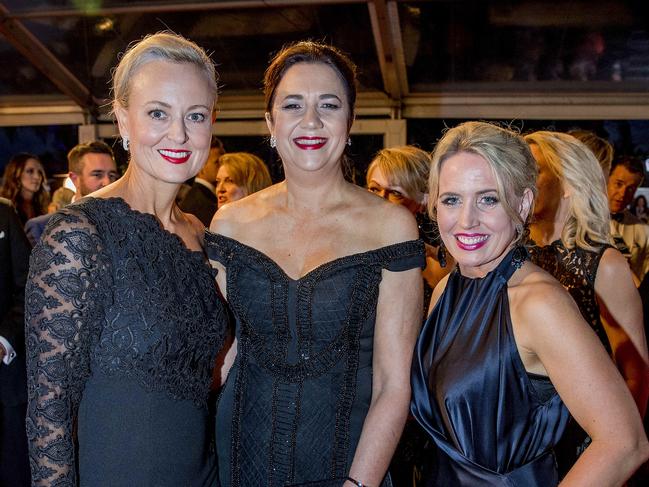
<point>493,423</point>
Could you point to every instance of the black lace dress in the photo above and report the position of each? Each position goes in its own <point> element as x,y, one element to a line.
<point>123,326</point>
<point>294,403</point>
<point>576,270</point>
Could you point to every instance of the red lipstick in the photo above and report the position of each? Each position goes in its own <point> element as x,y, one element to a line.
<point>175,156</point>
<point>471,241</point>
<point>310,143</point>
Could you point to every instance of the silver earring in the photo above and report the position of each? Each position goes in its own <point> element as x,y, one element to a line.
<point>349,141</point>
<point>125,143</point>
<point>273,141</point>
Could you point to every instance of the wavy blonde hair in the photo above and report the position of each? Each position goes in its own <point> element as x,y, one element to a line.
<point>575,165</point>
<point>406,166</point>
<point>509,157</point>
<point>246,170</point>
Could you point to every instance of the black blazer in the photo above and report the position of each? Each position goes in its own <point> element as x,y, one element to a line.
<point>200,201</point>
<point>14,265</point>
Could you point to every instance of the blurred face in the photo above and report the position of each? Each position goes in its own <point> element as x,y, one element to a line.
<point>31,178</point>
<point>380,185</point>
<point>309,118</point>
<point>550,192</point>
<point>227,190</point>
<point>168,121</point>
<point>473,224</point>
<point>621,187</point>
<point>99,170</point>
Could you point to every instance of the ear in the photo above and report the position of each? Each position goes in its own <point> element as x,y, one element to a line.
<point>526,204</point>
<point>122,120</point>
<point>269,122</point>
<point>74,177</point>
<point>424,200</point>
<point>567,191</point>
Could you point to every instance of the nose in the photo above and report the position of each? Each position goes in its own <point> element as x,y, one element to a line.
<point>105,181</point>
<point>178,131</point>
<point>219,187</point>
<point>312,118</point>
<point>468,216</point>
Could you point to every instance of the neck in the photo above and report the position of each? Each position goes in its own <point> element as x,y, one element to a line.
<point>144,194</point>
<point>545,229</point>
<point>314,192</point>
<point>26,195</point>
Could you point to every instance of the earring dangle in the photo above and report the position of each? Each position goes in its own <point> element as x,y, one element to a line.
<point>349,141</point>
<point>273,141</point>
<point>125,143</point>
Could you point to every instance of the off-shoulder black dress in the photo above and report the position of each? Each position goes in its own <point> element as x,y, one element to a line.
<point>294,403</point>
<point>123,326</point>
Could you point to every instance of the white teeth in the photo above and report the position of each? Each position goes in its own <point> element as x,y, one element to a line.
<point>174,154</point>
<point>472,240</point>
<point>311,141</point>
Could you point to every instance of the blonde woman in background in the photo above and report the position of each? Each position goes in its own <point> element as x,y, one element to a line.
<point>240,174</point>
<point>400,175</point>
<point>571,231</point>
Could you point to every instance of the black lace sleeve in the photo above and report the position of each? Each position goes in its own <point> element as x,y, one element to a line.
<point>68,273</point>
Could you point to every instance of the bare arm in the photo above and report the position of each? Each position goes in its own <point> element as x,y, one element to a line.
<point>621,312</point>
<point>398,318</point>
<point>564,346</point>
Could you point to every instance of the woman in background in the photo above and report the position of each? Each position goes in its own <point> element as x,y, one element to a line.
<point>505,346</point>
<point>324,281</point>
<point>570,230</point>
<point>123,318</point>
<point>400,175</point>
<point>24,184</point>
<point>240,174</point>
<point>639,208</point>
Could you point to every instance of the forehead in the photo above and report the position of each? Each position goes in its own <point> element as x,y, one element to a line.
<point>93,161</point>
<point>32,163</point>
<point>182,83</point>
<point>621,173</point>
<point>304,78</point>
<point>466,172</point>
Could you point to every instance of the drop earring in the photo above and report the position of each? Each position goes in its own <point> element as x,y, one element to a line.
<point>349,141</point>
<point>125,143</point>
<point>273,141</point>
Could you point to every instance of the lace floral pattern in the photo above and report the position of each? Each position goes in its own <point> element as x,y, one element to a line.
<point>110,292</point>
<point>575,270</point>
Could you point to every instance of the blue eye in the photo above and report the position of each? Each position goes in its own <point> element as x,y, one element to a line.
<point>450,201</point>
<point>157,114</point>
<point>196,117</point>
<point>488,201</point>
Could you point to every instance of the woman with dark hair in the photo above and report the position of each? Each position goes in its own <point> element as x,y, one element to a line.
<point>24,184</point>
<point>639,208</point>
<point>324,281</point>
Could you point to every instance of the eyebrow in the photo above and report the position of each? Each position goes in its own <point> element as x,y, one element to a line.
<point>167,105</point>
<point>484,191</point>
<point>321,97</point>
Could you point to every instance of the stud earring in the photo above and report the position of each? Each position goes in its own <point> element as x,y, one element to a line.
<point>125,143</point>
<point>273,141</point>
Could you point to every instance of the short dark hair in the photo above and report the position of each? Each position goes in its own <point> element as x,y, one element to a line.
<point>78,151</point>
<point>632,164</point>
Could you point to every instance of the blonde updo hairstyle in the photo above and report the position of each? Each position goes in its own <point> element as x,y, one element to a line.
<point>509,157</point>
<point>405,166</point>
<point>165,46</point>
<point>575,165</point>
<point>246,170</point>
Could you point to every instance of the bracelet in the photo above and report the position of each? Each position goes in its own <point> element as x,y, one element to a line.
<point>356,482</point>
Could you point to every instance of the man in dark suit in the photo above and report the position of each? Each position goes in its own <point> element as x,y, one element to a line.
<point>14,264</point>
<point>200,199</point>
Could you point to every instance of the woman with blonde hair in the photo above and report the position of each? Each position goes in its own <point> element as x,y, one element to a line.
<point>240,174</point>
<point>400,175</point>
<point>571,231</point>
<point>25,185</point>
<point>505,349</point>
<point>123,318</point>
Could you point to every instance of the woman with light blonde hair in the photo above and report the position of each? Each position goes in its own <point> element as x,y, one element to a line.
<point>240,174</point>
<point>571,231</point>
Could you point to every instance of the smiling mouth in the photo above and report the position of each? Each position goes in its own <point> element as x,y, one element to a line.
<point>175,156</point>
<point>310,143</point>
<point>471,242</point>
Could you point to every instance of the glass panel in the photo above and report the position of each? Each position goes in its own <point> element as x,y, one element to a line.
<point>20,77</point>
<point>240,40</point>
<point>526,45</point>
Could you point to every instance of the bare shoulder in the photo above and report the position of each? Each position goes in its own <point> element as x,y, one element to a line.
<point>232,219</point>
<point>390,222</point>
<point>612,265</point>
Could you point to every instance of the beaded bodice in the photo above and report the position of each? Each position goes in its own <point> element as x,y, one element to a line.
<point>300,388</point>
<point>111,293</point>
